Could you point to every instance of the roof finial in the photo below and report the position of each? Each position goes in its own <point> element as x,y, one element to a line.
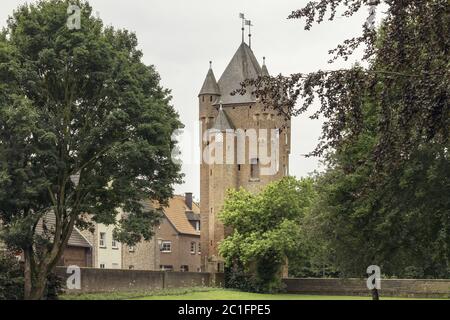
<point>249,24</point>
<point>242,16</point>
<point>220,104</point>
<point>264,61</point>
<point>210,64</point>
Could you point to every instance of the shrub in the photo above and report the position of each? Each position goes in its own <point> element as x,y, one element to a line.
<point>11,277</point>
<point>54,287</point>
<point>265,279</point>
<point>12,280</point>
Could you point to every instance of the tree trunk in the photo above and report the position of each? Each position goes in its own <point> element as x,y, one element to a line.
<point>28,274</point>
<point>36,274</point>
<point>38,289</point>
<point>35,280</point>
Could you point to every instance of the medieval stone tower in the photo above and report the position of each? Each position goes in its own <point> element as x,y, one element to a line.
<point>223,113</point>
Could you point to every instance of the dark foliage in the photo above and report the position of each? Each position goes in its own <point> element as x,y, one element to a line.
<point>11,277</point>
<point>384,196</point>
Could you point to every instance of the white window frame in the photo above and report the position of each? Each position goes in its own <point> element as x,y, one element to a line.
<point>165,250</point>
<point>181,268</point>
<point>114,243</point>
<point>193,247</point>
<point>199,248</point>
<point>102,240</point>
<point>102,266</point>
<point>197,225</point>
<point>163,268</point>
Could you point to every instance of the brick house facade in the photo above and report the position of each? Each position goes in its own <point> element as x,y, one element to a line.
<point>176,243</point>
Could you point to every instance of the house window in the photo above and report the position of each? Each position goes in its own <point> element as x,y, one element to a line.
<point>197,225</point>
<point>131,249</point>
<point>166,246</point>
<point>166,268</point>
<point>193,247</point>
<point>102,266</point>
<point>114,243</point>
<point>184,268</point>
<point>254,169</point>
<point>102,240</point>
<point>199,248</point>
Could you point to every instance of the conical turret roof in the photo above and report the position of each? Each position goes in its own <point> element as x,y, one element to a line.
<point>242,66</point>
<point>210,84</point>
<point>264,71</point>
<point>222,121</point>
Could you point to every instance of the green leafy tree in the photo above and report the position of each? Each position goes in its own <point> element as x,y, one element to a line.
<point>78,102</point>
<point>384,199</point>
<point>401,225</point>
<point>266,229</point>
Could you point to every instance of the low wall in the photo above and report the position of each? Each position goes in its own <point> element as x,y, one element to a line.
<point>109,280</point>
<point>389,287</point>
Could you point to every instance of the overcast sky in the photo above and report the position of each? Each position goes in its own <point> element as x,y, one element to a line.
<point>180,37</point>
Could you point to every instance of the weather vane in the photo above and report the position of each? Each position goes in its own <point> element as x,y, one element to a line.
<point>242,16</point>
<point>249,24</point>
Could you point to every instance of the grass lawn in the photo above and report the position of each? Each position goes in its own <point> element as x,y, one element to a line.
<point>209,294</point>
<point>222,294</point>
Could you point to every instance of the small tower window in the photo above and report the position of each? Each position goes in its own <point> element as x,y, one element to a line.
<point>210,98</point>
<point>254,169</point>
<point>203,98</point>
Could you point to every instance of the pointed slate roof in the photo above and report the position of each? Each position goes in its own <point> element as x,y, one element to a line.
<point>210,84</point>
<point>222,122</point>
<point>264,71</point>
<point>242,66</point>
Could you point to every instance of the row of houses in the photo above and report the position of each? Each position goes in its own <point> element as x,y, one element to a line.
<point>175,245</point>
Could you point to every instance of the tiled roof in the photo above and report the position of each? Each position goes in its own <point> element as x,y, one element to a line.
<point>175,212</point>
<point>76,238</point>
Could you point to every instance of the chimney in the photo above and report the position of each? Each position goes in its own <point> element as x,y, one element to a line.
<point>188,200</point>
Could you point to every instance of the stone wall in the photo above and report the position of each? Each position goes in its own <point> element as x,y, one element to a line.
<point>109,280</point>
<point>389,287</point>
